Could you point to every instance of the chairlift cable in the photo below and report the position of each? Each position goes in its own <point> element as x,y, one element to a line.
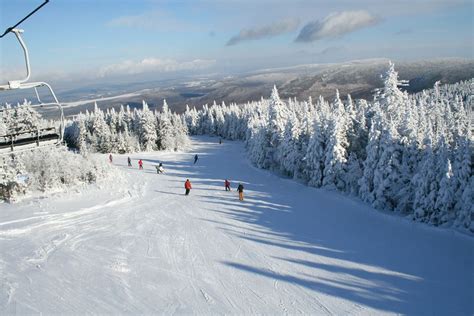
<point>8,30</point>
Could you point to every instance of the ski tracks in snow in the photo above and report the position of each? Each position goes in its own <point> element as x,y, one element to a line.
<point>6,294</point>
<point>78,225</point>
<point>42,254</point>
<point>7,288</point>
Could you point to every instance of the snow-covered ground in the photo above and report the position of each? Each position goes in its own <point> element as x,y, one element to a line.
<point>144,247</point>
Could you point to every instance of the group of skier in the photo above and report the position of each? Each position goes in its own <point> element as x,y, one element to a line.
<point>240,187</point>
<point>187,183</point>
<point>159,167</point>
<point>129,162</point>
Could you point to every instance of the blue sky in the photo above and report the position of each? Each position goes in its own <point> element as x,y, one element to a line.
<point>105,39</point>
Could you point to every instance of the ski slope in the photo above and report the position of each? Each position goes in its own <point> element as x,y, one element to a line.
<point>139,245</point>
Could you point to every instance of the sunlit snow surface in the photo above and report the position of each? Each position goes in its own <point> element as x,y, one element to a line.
<point>144,247</point>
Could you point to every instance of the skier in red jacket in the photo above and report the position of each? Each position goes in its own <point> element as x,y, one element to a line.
<point>187,186</point>
<point>140,164</point>
<point>227,185</point>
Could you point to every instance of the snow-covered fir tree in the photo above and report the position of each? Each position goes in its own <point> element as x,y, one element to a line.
<point>165,129</point>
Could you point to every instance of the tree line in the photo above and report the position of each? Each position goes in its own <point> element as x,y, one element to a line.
<point>126,131</point>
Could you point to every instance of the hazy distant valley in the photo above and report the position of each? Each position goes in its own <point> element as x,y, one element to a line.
<point>359,78</point>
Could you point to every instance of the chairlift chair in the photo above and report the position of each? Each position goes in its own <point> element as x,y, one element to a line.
<point>16,141</point>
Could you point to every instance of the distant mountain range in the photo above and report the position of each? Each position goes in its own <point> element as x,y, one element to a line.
<point>359,78</point>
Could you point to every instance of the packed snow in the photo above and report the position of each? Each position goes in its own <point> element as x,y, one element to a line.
<point>141,246</point>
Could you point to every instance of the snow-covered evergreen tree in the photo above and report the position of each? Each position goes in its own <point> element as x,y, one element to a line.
<point>445,201</point>
<point>335,156</point>
<point>165,129</point>
<point>315,156</point>
<point>366,183</point>
<point>278,115</point>
<point>289,150</point>
<point>147,129</point>
<point>13,178</point>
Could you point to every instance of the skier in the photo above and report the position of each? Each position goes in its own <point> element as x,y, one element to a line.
<point>187,186</point>
<point>110,158</point>
<point>227,185</point>
<point>159,169</point>
<point>220,141</point>
<point>195,158</point>
<point>240,189</point>
<point>129,161</point>
<point>140,164</point>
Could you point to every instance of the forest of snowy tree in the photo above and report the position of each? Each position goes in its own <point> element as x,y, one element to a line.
<point>46,169</point>
<point>127,131</point>
<point>405,153</point>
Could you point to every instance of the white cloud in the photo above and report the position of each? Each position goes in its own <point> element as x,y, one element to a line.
<point>336,24</point>
<point>148,65</point>
<point>276,28</point>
